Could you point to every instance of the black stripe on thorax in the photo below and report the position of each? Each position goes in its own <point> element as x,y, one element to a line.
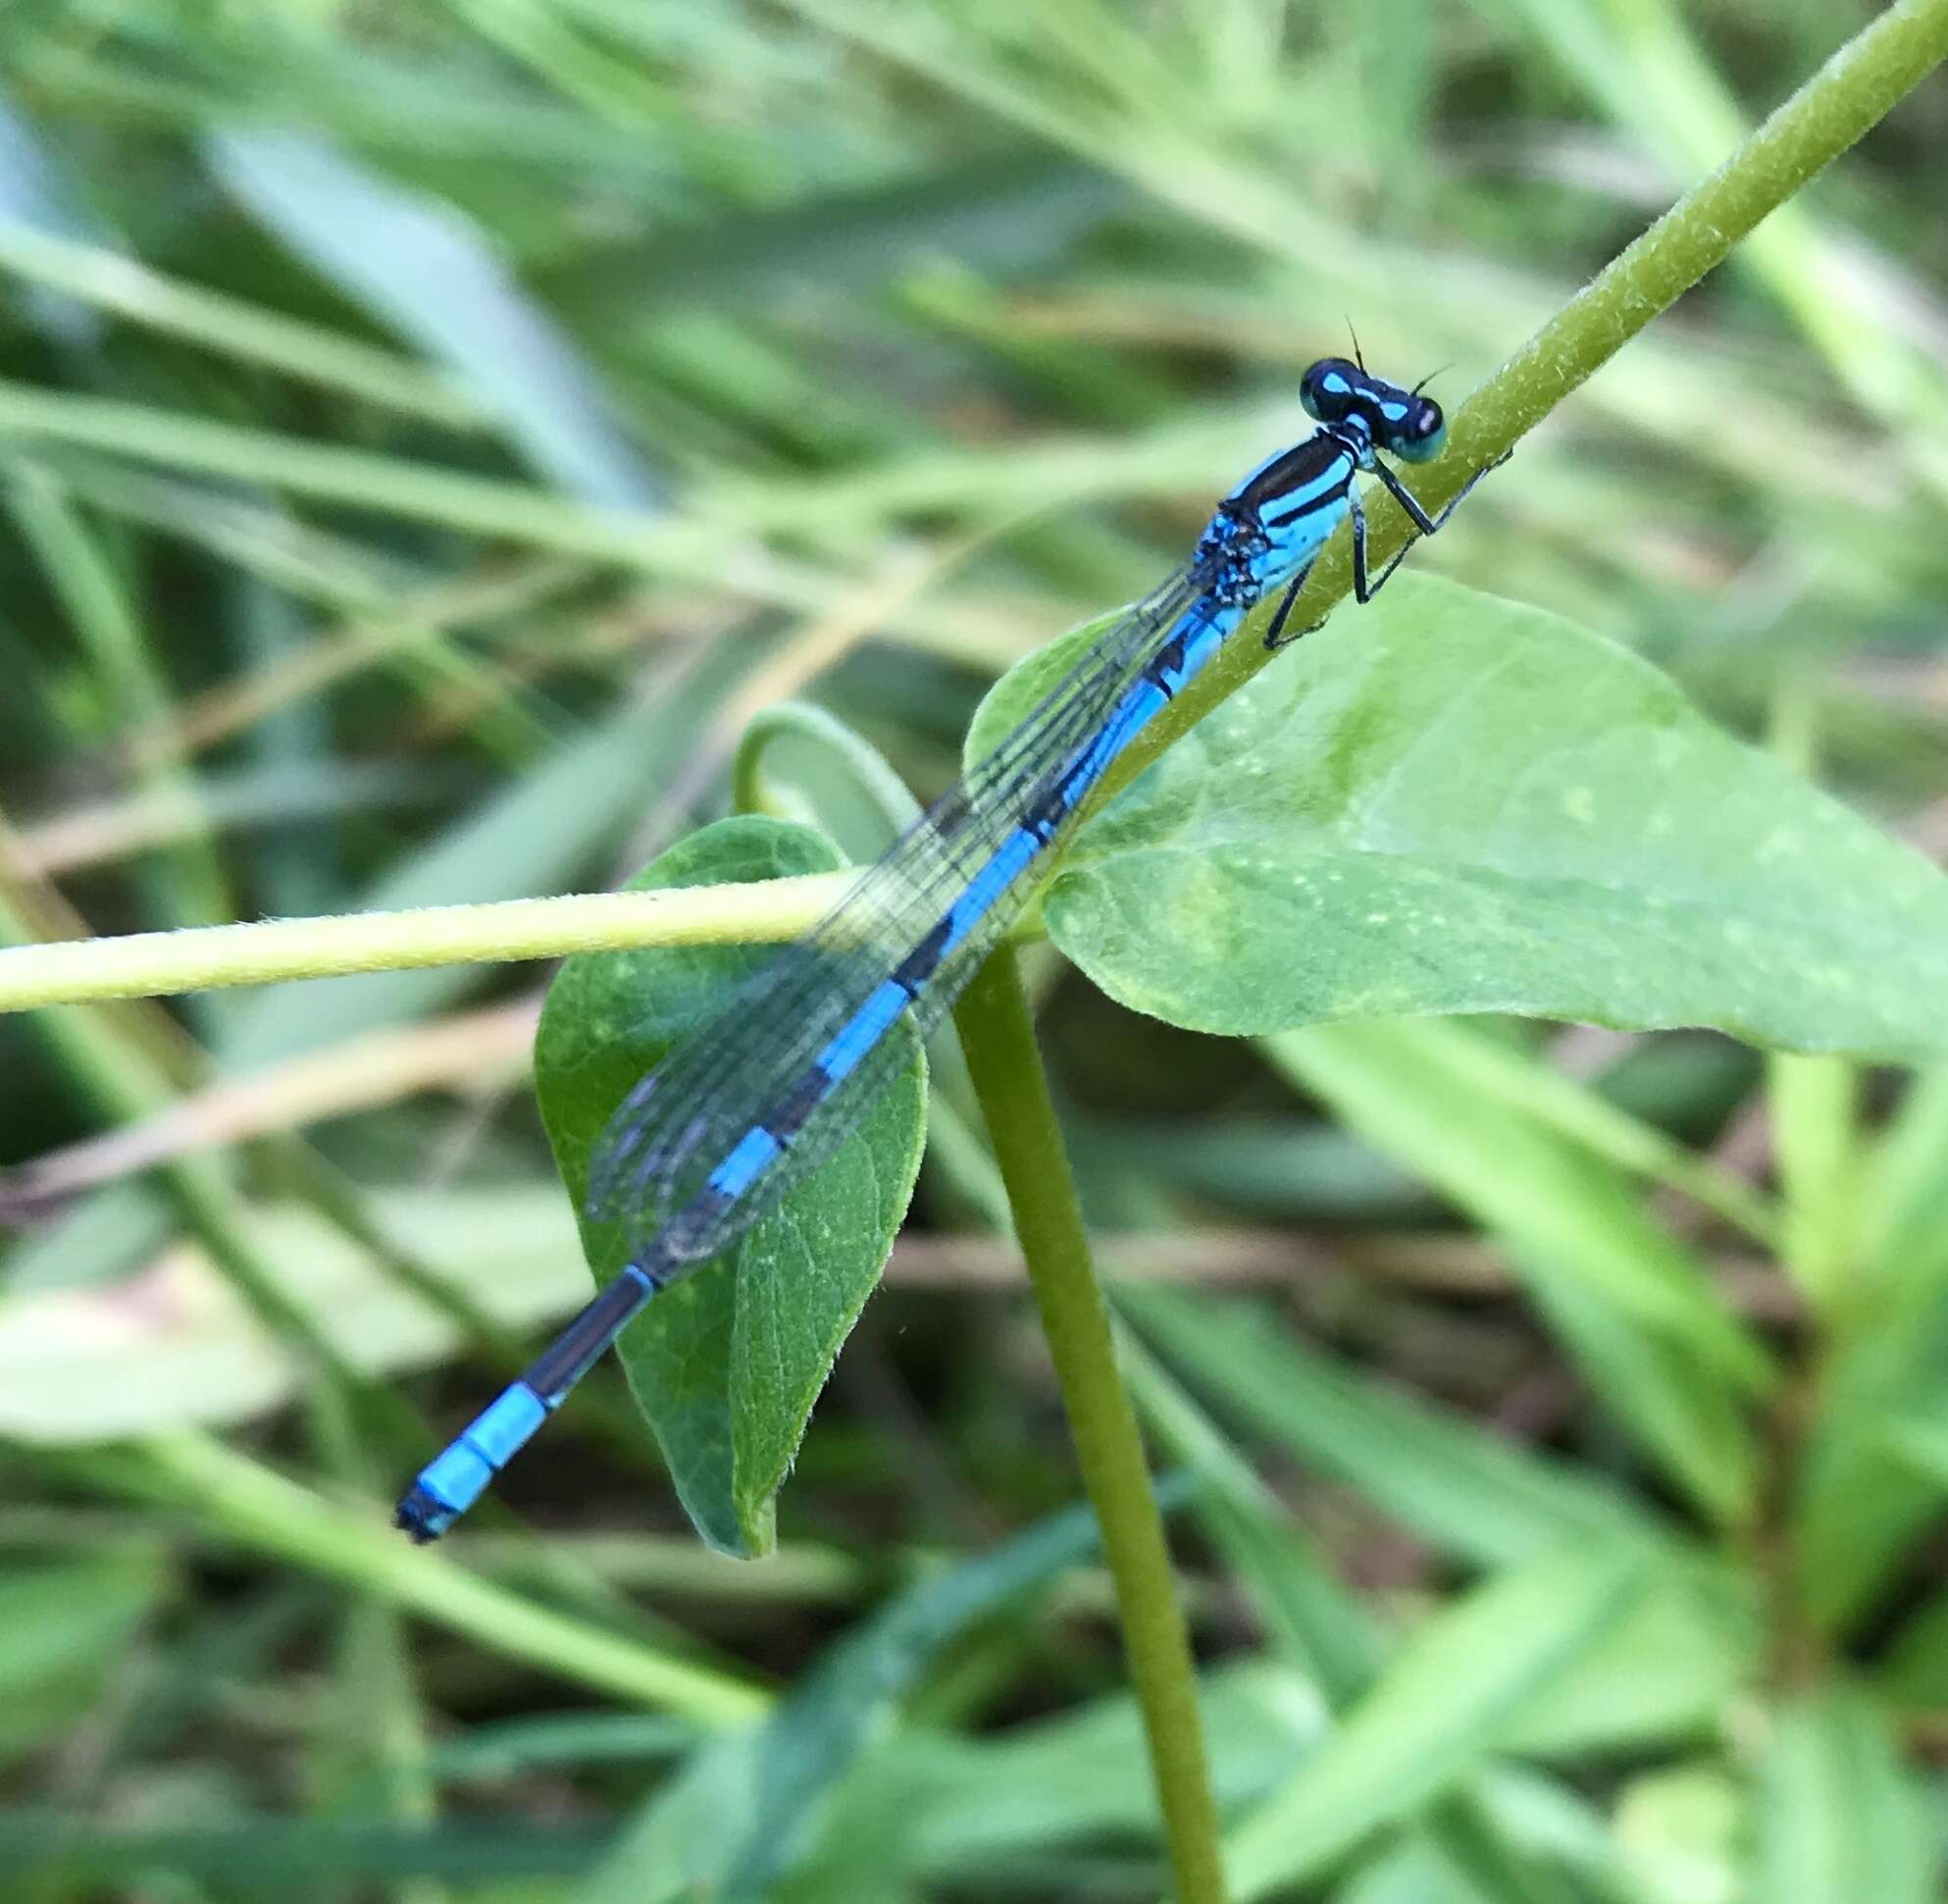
<point>1300,467</point>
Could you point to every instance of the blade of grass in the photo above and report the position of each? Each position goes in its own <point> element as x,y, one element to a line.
<point>263,1511</point>
<point>111,281</point>
<point>423,266</point>
<point>1435,1713</point>
<point>1470,1492</point>
<point>193,890</point>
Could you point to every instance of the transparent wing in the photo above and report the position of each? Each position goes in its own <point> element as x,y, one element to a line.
<point>738,1068</point>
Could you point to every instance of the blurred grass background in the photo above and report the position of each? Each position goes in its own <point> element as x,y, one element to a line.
<point>428,438</point>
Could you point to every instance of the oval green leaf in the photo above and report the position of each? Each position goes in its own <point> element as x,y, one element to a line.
<point>725,1365</point>
<point>1445,802</point>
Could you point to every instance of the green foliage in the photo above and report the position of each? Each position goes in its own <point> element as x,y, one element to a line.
<point>1451,804</point>
<point>434,443</point>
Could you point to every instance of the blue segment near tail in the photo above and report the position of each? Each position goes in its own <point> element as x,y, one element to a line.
<point>753,1101</point>
<point>456,1477</point>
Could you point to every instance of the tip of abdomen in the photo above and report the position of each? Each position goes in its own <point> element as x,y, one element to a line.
<point>422,1515</point>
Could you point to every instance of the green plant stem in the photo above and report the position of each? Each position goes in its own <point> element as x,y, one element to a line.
<point>998,1036</point>
<point>152,964</point>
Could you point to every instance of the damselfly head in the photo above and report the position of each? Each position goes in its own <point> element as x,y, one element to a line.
<point>1403,423</point>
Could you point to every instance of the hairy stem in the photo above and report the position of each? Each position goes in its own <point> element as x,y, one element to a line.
<point>1006,1067</point>
<point>151,964</point>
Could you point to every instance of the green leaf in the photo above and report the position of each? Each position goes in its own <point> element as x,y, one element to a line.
<point>1868,1488</point>
<point>1503,1071</point>
<point>1675,1400</point>
<point>1682,1831</point>
<point>1512,1836</point>
<point>1904,1198</point>
<point>1873,1475</point>
<point>85,1363</point>
<point>1409,1872</point>
<point>1448,803</point>
<point>1308,1617</point>
<point>36,194</point>
<point>1839,1821</point>
<point>98,1238</point>
<point>1662,1669</point>
<point>285,1855</point>
<point>1437,1714</point>
<point>1814,1114</point>
<point>727,1363</point>
<point>1004,210</point>
<point>1494,1865</point>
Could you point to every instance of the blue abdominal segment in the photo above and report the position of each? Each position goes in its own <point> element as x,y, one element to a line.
<point>455,1479</point>
<point>756,1148</point>
<point>864,1029</point>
